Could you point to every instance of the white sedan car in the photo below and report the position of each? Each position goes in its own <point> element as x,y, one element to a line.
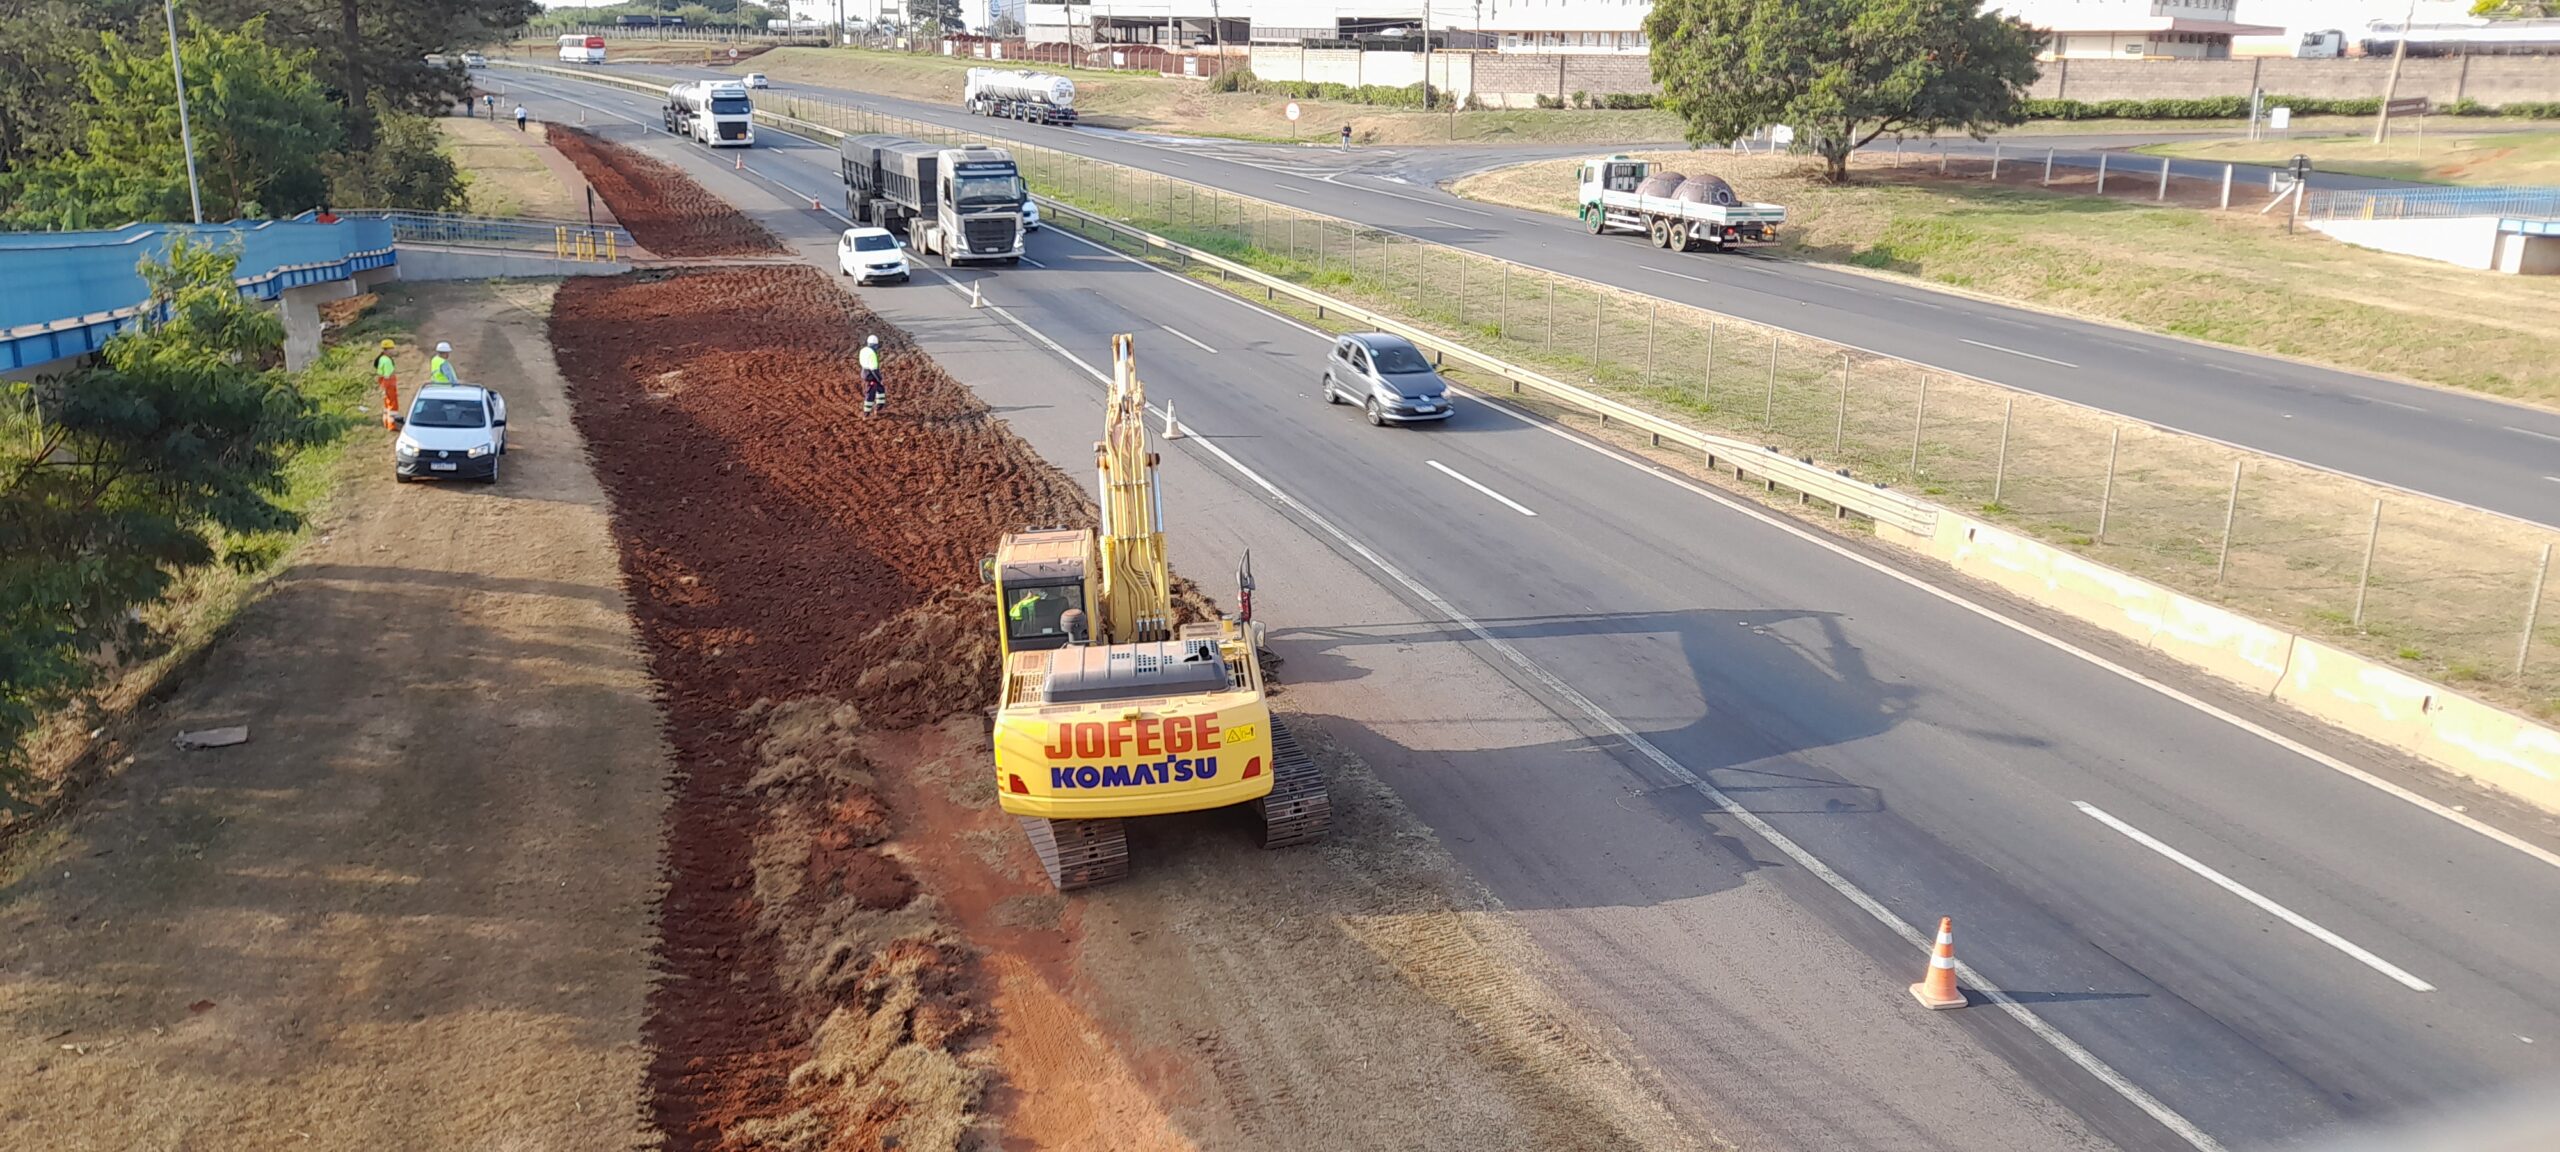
<point>757,80</point>
<point>869,254</point>
<point>1030,214</point>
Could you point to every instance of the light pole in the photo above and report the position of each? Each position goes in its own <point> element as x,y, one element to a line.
<point>2391,86</point>
<point>186,135</point>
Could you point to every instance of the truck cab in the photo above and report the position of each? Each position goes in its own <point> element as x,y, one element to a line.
<point>1611,174</point>
<point>982,196</point>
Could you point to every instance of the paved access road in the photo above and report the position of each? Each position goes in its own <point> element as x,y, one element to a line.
<point>2217,920</point>
<point>2444,443</point>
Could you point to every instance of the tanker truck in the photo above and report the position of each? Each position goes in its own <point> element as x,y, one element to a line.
<point>1039,97</point>
<point>716,113</point>
<point>1684,214</point>
<point>964,204</point>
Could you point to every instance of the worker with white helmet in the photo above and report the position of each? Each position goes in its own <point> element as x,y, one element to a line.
<point>875,394</point>
<point>440,366</point>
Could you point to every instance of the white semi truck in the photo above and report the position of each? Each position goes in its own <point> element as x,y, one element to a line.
<point>716,113</point>
<point>1014,94</point>
<point>1623,194</point>
<point>963,204</point>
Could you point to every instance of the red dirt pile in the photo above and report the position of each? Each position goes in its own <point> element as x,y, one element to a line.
<point>799,573</point>
<point>667,213</point>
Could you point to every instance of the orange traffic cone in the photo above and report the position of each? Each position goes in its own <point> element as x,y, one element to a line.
<point>1939,989</point>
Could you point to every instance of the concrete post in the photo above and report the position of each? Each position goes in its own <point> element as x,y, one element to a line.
<point>2163,194</point>
<point>2226,186</point>
<point>301,309</point>
<point>2107,493</point>
<point>2102,173</point>
<point>2000,470</point>
<point>2364,577</point>
<point>1995,161</point>
<point>2230,516</point>
<point>2533,609</point>
<point>2048,167</point>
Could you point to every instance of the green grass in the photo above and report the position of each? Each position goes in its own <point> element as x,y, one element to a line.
<point>2439,157</point>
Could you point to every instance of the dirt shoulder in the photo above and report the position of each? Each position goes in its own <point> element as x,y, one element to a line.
<point>666,213</point>
<point>512,173</point>
<point>413,911</point>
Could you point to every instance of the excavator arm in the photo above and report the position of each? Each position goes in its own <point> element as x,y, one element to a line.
<point>1137,588</point>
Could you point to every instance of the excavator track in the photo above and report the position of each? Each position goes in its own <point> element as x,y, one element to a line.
<point>1298,810</point>
<point>1078,853</point>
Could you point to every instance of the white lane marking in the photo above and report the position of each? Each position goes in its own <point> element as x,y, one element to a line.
<point>2053,1037</point>
<point>1809,536</point>
<point>2265,905</point>
<point>1294,187</point>
<point>1172,161</point>
<point>2391,403</point>
<point>1033,263</point>
<point>2530,432</point>
<point>2244,724</point>
<point>1682,275</point>
<point>1442,204</point>
<point>2553,479</point>
<point>1449,223</point>
<point>1188,338</point>
<point>2015,352</point>
<point>1470,482</point>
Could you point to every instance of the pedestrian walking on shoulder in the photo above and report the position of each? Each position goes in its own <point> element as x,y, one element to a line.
<point>440,366</point>
<point>519,117</point>
<point>875,393</point>
<point>1346,137</point>
<point>387,372</point>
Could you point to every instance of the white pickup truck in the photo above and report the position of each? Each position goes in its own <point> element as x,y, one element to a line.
<point>1624,194</point>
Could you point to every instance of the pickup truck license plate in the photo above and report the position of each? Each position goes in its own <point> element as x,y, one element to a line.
<point>443,467</point>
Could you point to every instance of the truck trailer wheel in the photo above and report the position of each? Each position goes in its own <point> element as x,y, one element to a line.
<point>1677,239</point>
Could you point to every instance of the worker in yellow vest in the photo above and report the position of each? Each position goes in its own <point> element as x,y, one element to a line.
<point>387,372</point>
<point>440,366</point>
<point>875,392</point>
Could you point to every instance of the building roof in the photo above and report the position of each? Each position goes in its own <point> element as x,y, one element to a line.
<point>2152,25</point>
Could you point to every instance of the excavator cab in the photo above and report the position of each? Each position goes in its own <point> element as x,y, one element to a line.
<point>1041,577</point>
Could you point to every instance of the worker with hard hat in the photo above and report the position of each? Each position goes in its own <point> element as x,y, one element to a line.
<point>440,366</point>
<point>387,372</point>
<point>875,394</point>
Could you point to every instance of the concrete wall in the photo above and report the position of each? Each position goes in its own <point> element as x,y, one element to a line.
<point>2469,241</point>
<point>422,263</point>
<point>1516,81</point>
<point>2430,721</point>
<point>2487,79</point>
<point>2524,255</point>
<point>301,310</point>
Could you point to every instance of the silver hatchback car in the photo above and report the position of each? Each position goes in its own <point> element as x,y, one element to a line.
<point>1391,380</point>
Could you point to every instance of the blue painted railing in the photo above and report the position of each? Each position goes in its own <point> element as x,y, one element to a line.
<point>63,293</point>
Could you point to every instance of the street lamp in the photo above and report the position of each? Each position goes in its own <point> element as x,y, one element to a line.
<point>186,135</point>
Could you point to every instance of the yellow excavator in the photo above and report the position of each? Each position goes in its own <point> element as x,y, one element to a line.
<point>1108,708</point>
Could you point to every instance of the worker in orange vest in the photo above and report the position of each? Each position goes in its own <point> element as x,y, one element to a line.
<point>387,372</point>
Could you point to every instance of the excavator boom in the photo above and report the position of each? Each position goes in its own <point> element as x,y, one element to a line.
<point>1137,587</point>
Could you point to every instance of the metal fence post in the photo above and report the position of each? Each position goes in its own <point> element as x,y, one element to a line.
<point>1502,306</point>
<point>1652,316</point>
<point>2000,470</point>
<point>2226,186</point>
<point>2364,576</point>
<point>2107,493</point>
<point>1840,422</point>
<point>1942,159</point>
<point>2164,180</point>
<point>1707,386</point>
<point>1599,304</point>
<point>2532,609</point>
<point>2102,173</point>
<point>2230,516</point>
<point>1551,312</point>
<point>1462,291</point>
<point>2048,167</point>
<point>1769,406</point>
<point>1919,424</point>
<point>1293,238</point>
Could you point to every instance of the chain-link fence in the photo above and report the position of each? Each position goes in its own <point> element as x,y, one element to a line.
<point>2440,589</point>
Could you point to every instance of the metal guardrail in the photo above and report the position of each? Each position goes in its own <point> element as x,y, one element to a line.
<point>563,239</point>
<point>1773,468</point>
<point>2431,203</point>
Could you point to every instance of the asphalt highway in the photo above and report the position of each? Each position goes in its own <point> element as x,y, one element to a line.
<point>2210,933</point>
<point>2455,445</point>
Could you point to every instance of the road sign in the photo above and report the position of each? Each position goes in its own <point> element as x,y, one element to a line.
<point>1782,134</point>
<point>733,53</point>
<point>1291,111</point>
<point>2280,120</point>
<point>2414,106</point>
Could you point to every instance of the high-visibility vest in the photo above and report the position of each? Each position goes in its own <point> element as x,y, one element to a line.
<point>440,371</point>
<point>383,366</point>
<point>870,358</point>
<point>1023,606</point>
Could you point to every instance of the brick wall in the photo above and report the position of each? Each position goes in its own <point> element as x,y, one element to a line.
<point>1518,79</point>
<point>2487,79</point>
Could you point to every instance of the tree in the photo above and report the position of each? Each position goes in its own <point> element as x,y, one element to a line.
<point>149,463</point>
<point>945,14</point>
<point>407,167</point>
<point>2515,9</point>
<point>262,130</point>
<point>41,45</point>
<point>1840,72</point>
<point>373,52</point>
